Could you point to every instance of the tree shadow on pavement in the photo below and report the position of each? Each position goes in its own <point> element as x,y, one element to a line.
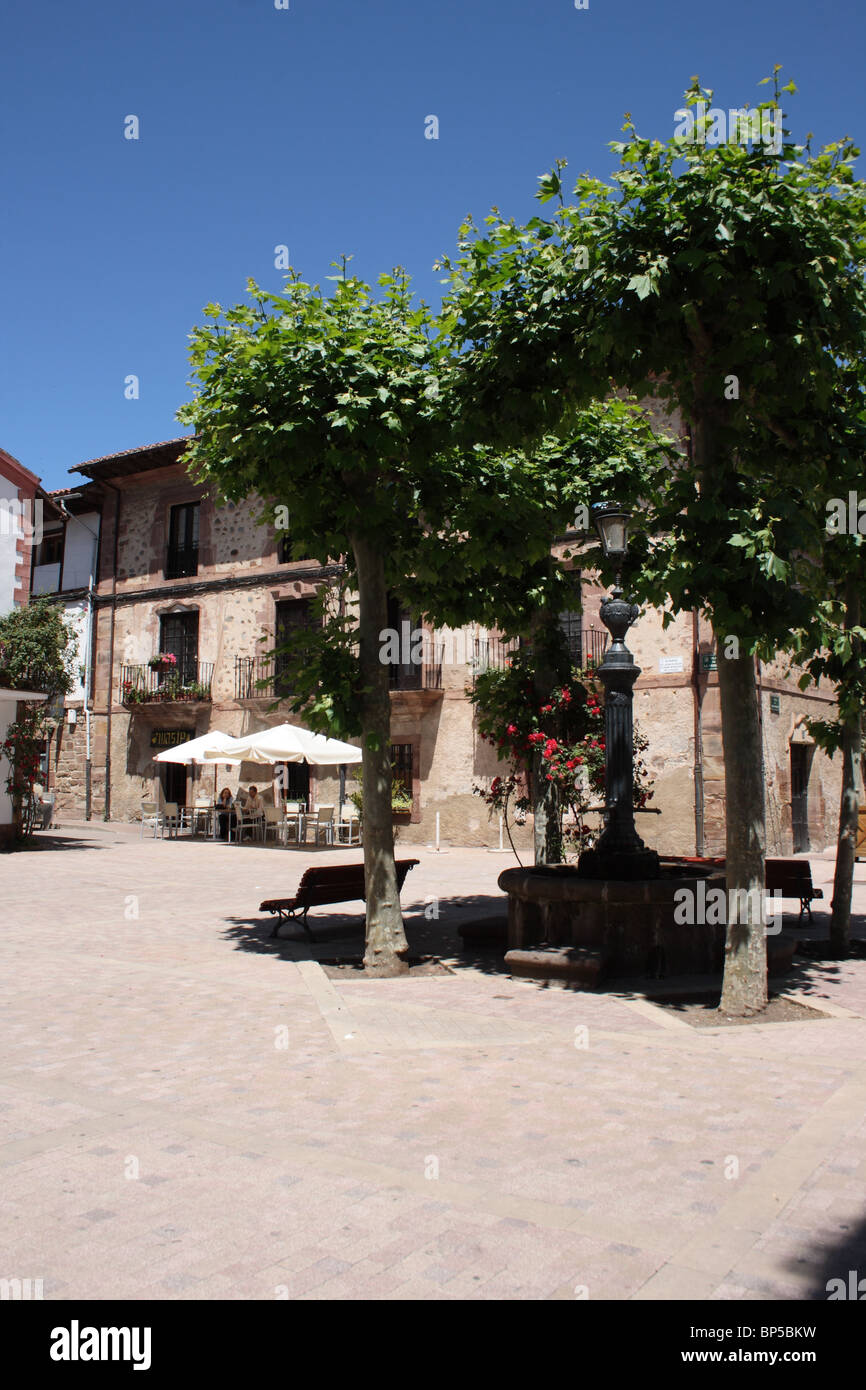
<point>342,933</point>
<point>44,840</point>
<point>841,1256</point>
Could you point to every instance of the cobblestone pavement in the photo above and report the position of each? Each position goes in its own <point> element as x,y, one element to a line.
<point>192,1111</point>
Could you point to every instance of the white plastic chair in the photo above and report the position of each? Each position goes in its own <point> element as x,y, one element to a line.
<point>349,830</point>
<point>253,825</point>
<point>150,815</point>
<point>273,822</point>
<point>323,824</point>
<point>294,819</point>
<point>170,818</point>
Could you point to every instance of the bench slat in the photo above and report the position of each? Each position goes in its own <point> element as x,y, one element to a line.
<point>325,885</point>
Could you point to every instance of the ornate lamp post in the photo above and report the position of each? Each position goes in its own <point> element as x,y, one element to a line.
<point>620,852</point>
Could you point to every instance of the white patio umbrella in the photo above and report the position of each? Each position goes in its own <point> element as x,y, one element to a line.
<point>194,750</point>
<point>291,743</point>
<point>286,743</point>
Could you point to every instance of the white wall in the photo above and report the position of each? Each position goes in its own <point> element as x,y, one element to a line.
<point>10,531</point>
<point>75,615</point>
<point>79,556</point>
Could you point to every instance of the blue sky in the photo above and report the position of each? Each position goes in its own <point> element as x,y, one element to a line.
<point>305,127</point>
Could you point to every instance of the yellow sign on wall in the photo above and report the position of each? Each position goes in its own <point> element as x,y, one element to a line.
<point>170,738</point>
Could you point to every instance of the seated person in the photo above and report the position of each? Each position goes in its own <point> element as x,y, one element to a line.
<point>226,813</point>
<point>254,806</point>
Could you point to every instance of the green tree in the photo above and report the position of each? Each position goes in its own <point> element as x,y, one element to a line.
<point>37,651</point>
<point>327,405</point>
<point>833,641</point>
<point>724,280</point>
<point>488,554</point>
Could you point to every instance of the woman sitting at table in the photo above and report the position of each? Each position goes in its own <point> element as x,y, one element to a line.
<point>226,814</point>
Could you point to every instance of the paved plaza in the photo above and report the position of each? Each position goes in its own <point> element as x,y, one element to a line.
<point>192,1111</point>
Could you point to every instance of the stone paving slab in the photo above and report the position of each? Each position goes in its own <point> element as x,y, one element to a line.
<point>189,1110</point>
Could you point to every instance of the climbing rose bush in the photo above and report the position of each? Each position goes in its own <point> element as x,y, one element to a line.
<point>567,728</point>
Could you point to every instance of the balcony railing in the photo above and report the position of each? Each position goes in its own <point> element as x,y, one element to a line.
<point>256,678</point>
<point>264,678</point>
<point>425,674</point>
<point>492,652</point>
<point>595,642</point>
<point>190,684</point>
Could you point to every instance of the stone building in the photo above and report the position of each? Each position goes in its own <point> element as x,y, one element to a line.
<point>209,588</point>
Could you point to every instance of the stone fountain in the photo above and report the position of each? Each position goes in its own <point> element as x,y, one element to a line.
<point>612,914</point>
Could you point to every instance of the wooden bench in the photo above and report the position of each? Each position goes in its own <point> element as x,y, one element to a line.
<point>321,885</point>
<point>793,879</point>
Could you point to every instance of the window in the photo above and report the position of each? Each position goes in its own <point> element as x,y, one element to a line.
<point>284,550</point>
<point>182,557</point>
<point>293,615</point>
<point>571,624</point>
<point>178,634</point>
<point>404,674</point>
<point>50,549</point>
<point>402,768</point>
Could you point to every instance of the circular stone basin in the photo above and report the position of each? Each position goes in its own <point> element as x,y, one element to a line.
<point>628,927</point>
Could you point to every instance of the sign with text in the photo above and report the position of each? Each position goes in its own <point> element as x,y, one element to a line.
<point>708,661</point>
<point>170,738</point>
<point>668,664</point>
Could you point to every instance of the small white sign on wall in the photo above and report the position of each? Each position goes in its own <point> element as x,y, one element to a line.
<point>670,663</point>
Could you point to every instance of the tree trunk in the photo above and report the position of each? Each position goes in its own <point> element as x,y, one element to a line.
<point>744,990</point>
<point>546,807</point>
<point>546,812</point>
<point>843,877</point>
<point>386,946</point>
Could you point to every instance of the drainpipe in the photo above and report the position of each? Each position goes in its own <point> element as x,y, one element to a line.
<point>106,815</point>
<point>699,739</point>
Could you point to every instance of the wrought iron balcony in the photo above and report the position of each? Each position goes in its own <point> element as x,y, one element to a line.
<point>188,683</point>
<point>595,642</point>
<point>493,652</point>
<point>257,678</point>
<point>425,674</point>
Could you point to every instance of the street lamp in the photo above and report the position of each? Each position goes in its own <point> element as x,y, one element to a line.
<point>620,852</point>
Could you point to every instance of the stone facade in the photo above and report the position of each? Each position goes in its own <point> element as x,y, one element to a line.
<point>233,594</point>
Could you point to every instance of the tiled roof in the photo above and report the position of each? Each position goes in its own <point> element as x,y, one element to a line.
<point>140,459</point>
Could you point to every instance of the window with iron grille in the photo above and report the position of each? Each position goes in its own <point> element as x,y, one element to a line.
<point>178,634</point>
<point>571,623</point>
<point>402,767</point>
<point>293,615</point>
<point>182,556</point>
